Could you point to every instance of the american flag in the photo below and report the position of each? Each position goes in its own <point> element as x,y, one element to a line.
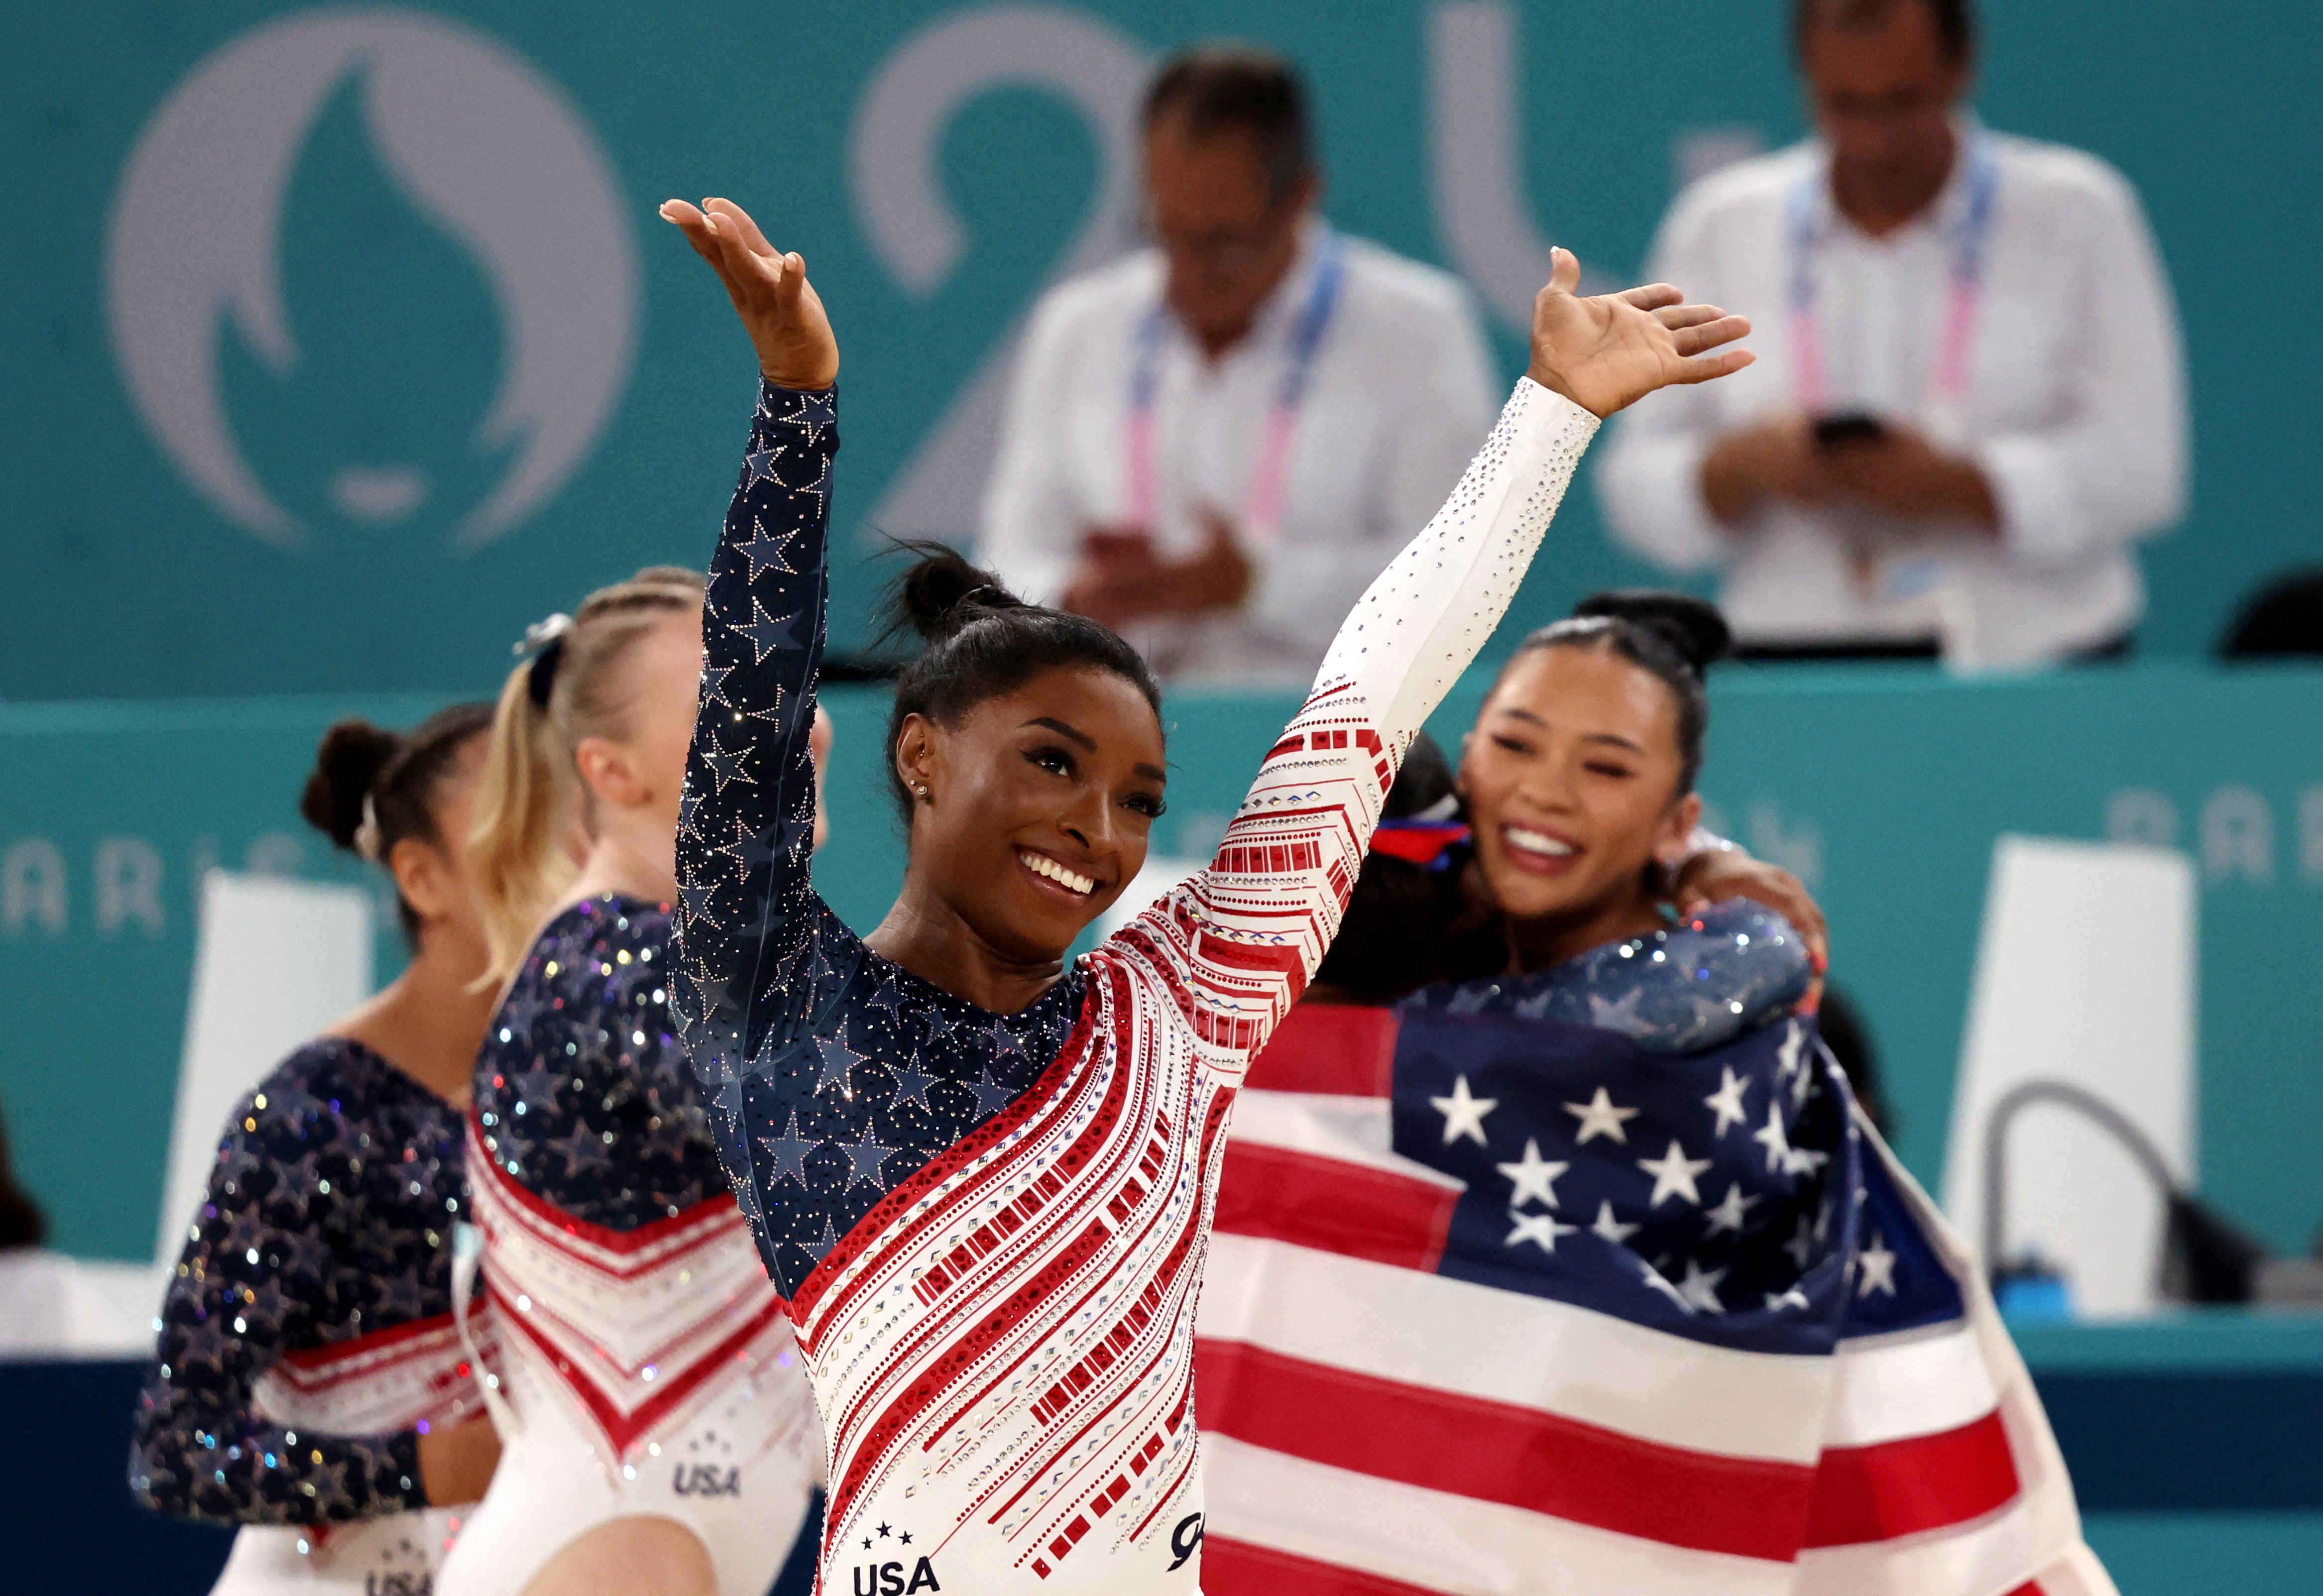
<point>1499,1305</point>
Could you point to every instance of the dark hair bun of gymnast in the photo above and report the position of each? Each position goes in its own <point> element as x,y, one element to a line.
<point>1691,626</point>
<point>354,753</point>
<point>942,593</point>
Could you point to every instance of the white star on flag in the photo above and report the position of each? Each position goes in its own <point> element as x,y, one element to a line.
<point>1727,1215</point>
<point>1794,1298</point>
<point>1878,1261</point>
<point>1657,1282</point>
<point>1535,1179</point>
<point>1778,1144</point>
<point>1611,1229</point>
<point>1700,1287</point>
<point>1803,1160</point>
<point>1464,1115</point>
<point>1726,1102</point>
<point>1801,1246</point>
<point>1788,1056</point>
<point>1538,1227</point>
<point>1599,1117</point>
<point>1674,1174</point>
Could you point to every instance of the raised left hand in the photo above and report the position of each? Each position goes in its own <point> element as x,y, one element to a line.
<point>1611,349</point>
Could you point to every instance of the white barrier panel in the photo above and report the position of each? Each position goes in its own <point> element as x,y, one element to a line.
<point>2085,976</point>
<point>277,961</point>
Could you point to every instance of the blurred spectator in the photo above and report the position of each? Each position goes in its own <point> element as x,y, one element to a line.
<point>1969,402</point>
<point>2284,617</point>
<point>1215,443</point>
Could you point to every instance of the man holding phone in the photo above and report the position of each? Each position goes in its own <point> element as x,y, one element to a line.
<point>1972,404</point>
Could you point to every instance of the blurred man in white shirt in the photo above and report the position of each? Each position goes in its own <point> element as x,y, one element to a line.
<point>1214,445</point>
<point>1969,403</point>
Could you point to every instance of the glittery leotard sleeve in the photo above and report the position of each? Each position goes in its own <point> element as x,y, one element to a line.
<point>1240,941</point>
<point>328,1218</point>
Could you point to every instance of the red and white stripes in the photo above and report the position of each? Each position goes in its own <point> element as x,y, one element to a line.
<point>641,1329</point>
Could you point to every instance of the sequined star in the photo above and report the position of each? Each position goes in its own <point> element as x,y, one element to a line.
<point>697,897</point>
<point>912,1084</point>
<point>725,763</point>
<point>582,1150</point>
<point>867,1156</point>
<point>766,551</point>
<point>812,412</point>
<point>839,1062</point>
<point>788,1151</point>
<point>991,1097</point>
<point>714,684</point>
<point>758,467</point>
<point>769,634</point>
<point>399,1297</point>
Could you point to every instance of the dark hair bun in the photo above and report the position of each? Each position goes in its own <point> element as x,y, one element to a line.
<point>354,753</point>
<point>942,593</point>
<point>1692,626</point>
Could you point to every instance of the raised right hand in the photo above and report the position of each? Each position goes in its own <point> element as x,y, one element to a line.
<point>1611,349</point>
<point>777,304</point>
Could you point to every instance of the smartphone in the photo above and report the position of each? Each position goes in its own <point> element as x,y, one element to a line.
<point>1848,426</point>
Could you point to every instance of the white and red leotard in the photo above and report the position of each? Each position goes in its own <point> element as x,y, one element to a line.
<point>990,1228</point>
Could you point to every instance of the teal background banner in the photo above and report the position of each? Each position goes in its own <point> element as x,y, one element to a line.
<point>1883,788</point>
<point>340,342</point>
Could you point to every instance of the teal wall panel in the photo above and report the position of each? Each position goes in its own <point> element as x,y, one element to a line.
<point>377,423</point>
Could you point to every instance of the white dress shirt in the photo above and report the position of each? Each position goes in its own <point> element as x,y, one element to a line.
<point>2075,408</point>
<point>1399,395</point>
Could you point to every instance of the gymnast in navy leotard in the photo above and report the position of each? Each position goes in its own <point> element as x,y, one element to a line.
<point>309,1384</point>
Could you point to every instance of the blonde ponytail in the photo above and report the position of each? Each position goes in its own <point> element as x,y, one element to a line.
<point>530,794</point>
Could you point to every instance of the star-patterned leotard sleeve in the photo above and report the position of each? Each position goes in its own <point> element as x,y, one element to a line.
<point>327,1221</point>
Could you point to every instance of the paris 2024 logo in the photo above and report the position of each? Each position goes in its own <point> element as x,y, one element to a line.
<point>505,195</point>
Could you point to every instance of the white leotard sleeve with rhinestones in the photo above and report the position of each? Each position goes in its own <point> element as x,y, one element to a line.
<point>1239,941</point>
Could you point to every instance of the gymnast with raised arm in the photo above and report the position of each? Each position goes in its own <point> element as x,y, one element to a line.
<point>983,1176</point>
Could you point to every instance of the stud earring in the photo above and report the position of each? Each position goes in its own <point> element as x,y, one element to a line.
<point>922,790</point>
